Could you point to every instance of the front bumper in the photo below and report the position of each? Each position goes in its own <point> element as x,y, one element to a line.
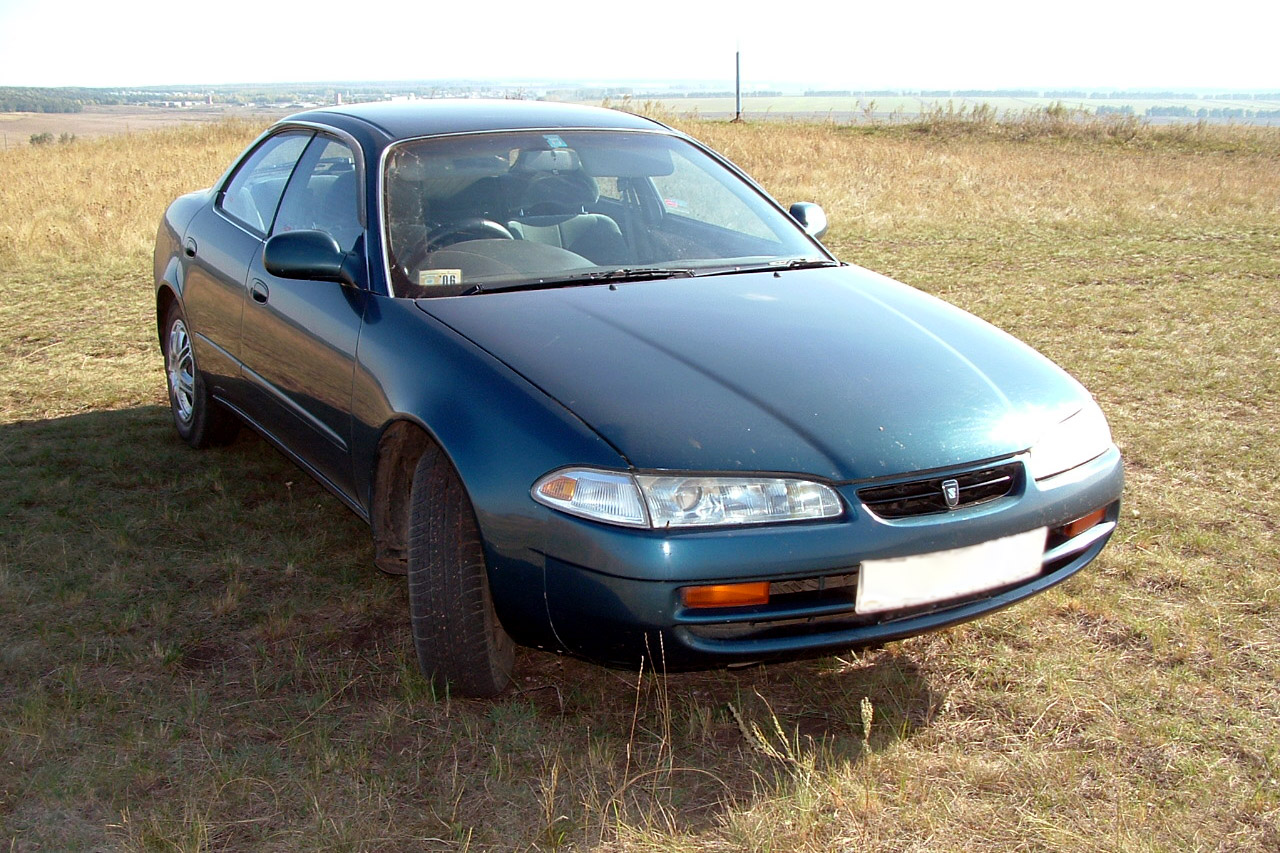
<point>614,596</point>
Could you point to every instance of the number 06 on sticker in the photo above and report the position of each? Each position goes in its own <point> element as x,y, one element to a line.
<point>439,278</point>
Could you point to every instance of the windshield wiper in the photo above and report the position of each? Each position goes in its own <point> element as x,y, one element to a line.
<point>623,274</point>
<point>810,263</point>
<point>640,274</point>
<point>647,274</point>
<point>775,266</point>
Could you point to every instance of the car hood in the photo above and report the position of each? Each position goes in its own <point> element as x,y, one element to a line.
<point>835,372</point>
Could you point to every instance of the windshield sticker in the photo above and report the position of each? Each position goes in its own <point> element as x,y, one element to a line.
<point>555,141</point>
<point>439,278</point>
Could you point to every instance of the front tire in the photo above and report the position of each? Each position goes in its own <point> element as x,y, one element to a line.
<point>456,632</point>
<point>199,420</point>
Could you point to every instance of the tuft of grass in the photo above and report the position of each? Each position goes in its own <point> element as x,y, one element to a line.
<point>196,653</point>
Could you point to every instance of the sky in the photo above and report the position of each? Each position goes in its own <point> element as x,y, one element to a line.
<point>835,44</point>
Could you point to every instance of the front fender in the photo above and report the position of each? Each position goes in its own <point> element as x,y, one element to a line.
<point>500,432</point>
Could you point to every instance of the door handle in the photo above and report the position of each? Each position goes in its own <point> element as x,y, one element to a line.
<point>189,249</point>
<point>259,292</point>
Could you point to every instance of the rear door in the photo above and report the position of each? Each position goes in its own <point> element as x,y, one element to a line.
<point>219,246</point>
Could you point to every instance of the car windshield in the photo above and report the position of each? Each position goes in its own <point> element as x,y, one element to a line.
<point>500,211</point>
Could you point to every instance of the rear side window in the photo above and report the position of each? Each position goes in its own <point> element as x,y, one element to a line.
<point>323,194</point>
<point>255,189</point>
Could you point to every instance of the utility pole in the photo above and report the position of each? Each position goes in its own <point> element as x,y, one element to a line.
<point>737,85</point>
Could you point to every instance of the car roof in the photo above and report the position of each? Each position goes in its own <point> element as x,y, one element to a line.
<point>426,117</point>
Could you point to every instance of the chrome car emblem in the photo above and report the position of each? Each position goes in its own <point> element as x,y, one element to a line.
<point>951,493</point>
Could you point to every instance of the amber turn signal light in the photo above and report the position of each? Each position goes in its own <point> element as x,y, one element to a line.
<point>1080,525</point>
<point>726,594</point>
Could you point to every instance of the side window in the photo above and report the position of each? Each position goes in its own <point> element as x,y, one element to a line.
<point>609,188</point>
<point>323,194</point>
<point>255,189</point>
<point>693,193</point>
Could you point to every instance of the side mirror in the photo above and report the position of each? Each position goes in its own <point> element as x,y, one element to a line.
<point>312,255</point>
<point>811,218</point>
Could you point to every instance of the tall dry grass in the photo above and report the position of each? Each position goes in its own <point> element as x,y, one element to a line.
<point>99,200</point>
<point>876,185</point>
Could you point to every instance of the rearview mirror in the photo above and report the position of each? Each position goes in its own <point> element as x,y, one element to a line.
<point>811,218</point>
<point>311,255</point>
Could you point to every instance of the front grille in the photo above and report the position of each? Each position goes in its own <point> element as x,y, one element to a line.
<point>823,587</point>
<point>923,497</point>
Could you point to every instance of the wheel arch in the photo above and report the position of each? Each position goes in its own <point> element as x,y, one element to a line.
<point>400,446</point>
<point>165,297</point>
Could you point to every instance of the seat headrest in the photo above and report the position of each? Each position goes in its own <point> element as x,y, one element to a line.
<point>556,194</point>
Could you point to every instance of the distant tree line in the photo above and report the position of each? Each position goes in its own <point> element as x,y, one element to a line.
<point>849,93</point>
<point>1160,96</point>
<point>1190,112</point>
<point>1033,93</point>
<point>75,99</point>
<point>728,93</point>
<point>16,100</point>
<point>979,93</point>
<point>30,99</point>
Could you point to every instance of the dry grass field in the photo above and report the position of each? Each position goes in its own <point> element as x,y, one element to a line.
<point>196,652</point>
<point>95,121</point>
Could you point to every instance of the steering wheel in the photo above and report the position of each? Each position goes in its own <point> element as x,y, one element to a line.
<point>475,228</point>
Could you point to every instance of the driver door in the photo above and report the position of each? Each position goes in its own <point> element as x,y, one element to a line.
<point>299,337</point>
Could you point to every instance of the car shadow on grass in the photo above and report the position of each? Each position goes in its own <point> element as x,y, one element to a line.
<point>693,747</point>
<point>172,620</point>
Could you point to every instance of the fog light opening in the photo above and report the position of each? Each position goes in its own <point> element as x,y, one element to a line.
<point>726,595</point>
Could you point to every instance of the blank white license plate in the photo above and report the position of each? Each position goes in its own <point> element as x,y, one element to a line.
<point>927,578</point>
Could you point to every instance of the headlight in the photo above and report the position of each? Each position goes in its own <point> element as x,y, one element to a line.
<point>705,501</point>
<point>684,500</point>
<point>1081,438</point>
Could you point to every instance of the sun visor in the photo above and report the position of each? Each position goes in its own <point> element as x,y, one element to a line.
<point>627,161</point>
<point>414,167</point>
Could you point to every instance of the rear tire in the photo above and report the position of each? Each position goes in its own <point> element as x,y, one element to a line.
<point>199,420</point>
<point>456,632</point>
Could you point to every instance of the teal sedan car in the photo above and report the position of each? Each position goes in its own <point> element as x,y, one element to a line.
<point>595,391</point>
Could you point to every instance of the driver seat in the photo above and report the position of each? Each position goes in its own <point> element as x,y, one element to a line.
<point>552,209</point>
